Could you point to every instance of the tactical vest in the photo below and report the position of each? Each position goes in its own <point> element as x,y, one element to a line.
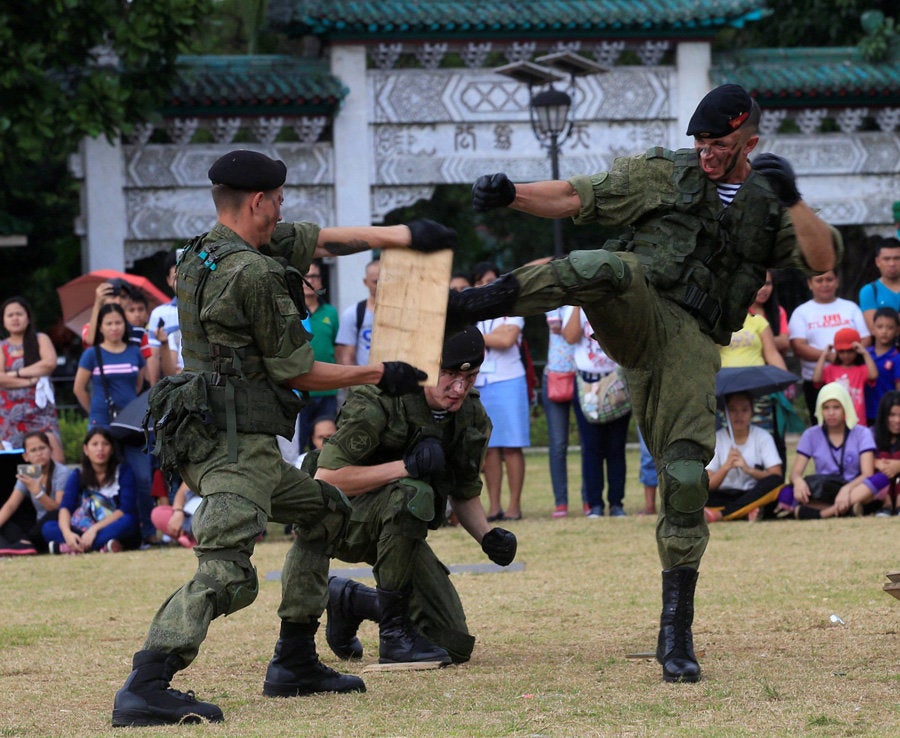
<point>239,398</point>
<point>709,259</point>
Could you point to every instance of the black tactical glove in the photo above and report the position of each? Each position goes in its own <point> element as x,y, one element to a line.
<point>400,378</point>
<point>780,175</point>
<point>500,546</point>
<point>428,236</point>
<point>425,458</point>
<point>492,191</point>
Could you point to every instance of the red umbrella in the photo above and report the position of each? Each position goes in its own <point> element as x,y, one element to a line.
<point>77,296</point>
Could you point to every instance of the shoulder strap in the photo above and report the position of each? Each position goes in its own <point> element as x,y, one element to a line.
<point>360,314</point>
<point>109,403</point>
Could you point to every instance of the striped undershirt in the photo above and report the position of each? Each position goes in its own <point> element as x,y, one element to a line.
<point>727,192</point>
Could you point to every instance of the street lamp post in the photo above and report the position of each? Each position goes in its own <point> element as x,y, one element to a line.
<point>551,125</point>
<point>550,108</point>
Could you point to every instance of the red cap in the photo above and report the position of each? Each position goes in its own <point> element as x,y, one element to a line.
<point>845,338</point>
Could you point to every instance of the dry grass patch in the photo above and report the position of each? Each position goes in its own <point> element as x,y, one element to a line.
<point>553,640</point>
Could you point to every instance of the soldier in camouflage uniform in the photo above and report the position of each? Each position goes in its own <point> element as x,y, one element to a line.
<point>240,306</point>
<point>701,226</point>
<point>400,460</point>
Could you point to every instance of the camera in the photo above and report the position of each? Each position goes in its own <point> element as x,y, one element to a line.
<point>29,470</point>
<point>119,287</point>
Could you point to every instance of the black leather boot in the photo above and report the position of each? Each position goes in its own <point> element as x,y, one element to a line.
<point>295,668</point>
<point>399,641</point>
<point>147,699</point>
<point>494,300</point>
<point>675,647</point>
<point>349,603</point>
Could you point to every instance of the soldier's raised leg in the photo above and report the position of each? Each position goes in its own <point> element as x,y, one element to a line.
<point>582,278</point>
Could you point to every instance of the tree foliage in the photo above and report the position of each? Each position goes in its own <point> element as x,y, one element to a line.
<point>809,23</point>
<point>70,69</point>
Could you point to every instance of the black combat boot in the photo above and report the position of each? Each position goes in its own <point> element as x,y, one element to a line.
<point>349,603</point>
<point>494,300</point>
<point>399,641</point>
<point>675,647</point>
<point>295,668</point>
<point>147,699</point>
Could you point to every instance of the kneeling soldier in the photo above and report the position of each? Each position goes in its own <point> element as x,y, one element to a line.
<point>399,460</point>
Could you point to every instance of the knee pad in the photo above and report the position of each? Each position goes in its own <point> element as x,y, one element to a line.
<point>233,580</point>
<point>686,491</point>
<point>589,268</point>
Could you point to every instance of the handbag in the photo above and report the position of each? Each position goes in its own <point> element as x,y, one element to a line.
<point>824,487</point>
<point>560,386</point>
<point>94,507</point>
<point>605,400</point>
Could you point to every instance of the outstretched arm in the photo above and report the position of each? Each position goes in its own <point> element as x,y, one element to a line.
<point>394,378</point>
<point>418,235</point>
<point>552,198</point>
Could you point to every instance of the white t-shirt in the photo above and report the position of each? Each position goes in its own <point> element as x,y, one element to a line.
<point>169,315</point>
<point>174,343</point>
<point>500,364</point>
<point>347,334</point>
<point>759,450</point>
<point>817,322</point>
<point>589,357</point>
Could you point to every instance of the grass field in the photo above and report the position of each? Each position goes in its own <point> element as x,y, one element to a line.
<point>552,657</point>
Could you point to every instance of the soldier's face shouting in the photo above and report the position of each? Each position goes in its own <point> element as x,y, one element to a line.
<point>725,159</point>
<point>451,390</point>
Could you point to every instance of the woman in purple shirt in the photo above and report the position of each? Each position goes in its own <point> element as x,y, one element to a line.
<point>838,446</point>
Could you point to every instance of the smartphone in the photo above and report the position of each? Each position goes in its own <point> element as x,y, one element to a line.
<point>29,470</point>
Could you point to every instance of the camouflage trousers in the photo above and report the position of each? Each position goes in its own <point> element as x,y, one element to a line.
<point>385,533</point>
<point>669,365</point>
<point>238,501</point>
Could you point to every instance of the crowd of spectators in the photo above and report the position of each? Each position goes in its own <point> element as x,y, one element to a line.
<point>844,350</point>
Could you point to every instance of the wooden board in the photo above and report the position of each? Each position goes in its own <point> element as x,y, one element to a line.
<point>405,666</point>
<point>893,588</point>
<point>410,309</point>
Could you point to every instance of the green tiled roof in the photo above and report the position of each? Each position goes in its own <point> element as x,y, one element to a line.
<point>253,85</point>
<point>469,19</point>
<point>810,77</point>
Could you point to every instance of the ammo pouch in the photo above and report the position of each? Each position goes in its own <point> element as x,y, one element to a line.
<point>185,428</point>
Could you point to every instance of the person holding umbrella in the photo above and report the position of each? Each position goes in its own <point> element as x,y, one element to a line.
<point>745,471</point>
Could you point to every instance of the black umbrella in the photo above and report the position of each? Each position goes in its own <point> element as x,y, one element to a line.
<point>128,426</point>
<point>756,381</point>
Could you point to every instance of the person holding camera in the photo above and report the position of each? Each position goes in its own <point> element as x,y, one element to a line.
<point>42,481</point>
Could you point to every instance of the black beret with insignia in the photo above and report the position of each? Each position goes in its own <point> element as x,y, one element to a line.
<point>463,350</point>
<point>249,171</point>
<point>722,111</point>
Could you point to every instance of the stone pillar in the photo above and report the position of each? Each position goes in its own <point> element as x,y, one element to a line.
<point>352,170</point>
<point>104,219</point>
<point>692,64</point>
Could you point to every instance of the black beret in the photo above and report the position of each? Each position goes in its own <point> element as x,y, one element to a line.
<point>248,170</point>
<point>722,111</point>
<point>463,350</point>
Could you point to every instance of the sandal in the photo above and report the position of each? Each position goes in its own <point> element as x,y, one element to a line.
<point>495,517</point>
